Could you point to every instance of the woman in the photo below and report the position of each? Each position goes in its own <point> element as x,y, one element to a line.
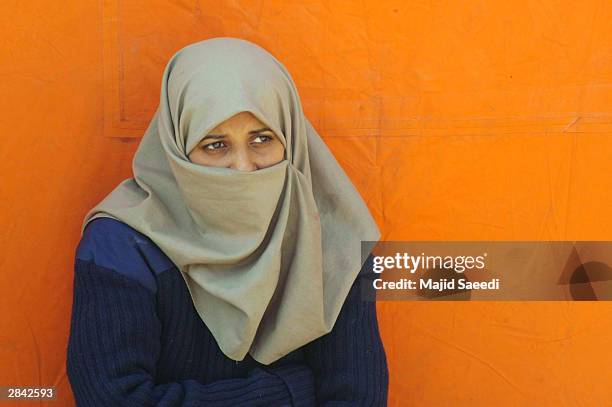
<point>226,272</point>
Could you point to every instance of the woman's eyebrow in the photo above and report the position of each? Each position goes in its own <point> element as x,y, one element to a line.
<point>220,136</point>
<point>214,136</point>
<point>259,130</point>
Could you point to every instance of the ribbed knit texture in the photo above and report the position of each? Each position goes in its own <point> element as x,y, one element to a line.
<point>134,345</point>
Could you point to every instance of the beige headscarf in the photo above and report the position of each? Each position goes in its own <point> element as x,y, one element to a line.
<point>268,256</point>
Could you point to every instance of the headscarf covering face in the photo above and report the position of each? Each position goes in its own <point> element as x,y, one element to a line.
<point>268,256</point>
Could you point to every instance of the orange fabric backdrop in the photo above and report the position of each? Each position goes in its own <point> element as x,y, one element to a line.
<point>456,120</point>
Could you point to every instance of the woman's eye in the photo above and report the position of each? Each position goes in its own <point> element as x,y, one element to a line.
<point>262,139</point>
<point>214,146</point>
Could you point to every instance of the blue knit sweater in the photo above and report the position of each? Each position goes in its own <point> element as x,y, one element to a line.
<point>137,340</point>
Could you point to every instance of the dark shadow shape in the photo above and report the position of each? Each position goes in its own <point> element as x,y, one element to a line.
<point>580,281</point>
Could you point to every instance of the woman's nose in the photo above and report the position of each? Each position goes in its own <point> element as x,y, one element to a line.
<point>242,161</point>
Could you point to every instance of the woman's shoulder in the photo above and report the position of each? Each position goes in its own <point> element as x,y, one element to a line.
<point>113,244</point>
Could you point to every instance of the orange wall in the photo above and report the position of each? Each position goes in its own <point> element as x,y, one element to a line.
<point>456,120</point>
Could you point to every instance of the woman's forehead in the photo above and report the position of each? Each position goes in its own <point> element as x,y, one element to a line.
<point>244,118</point>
